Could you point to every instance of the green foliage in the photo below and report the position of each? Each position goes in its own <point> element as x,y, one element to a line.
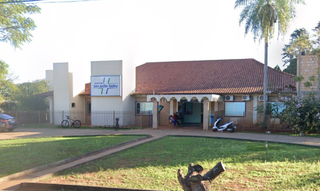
<point>249,165</point>
<point>316,39</point>
<point>7,87</point>
<point>292,67</point>
<point>260,16</point>
<point>298,78</point>
<point>3,69</point>
<point>22,154</point>
<point>302,114</point>
<point>15,26</point>
<point>8,106</point>
<point>27,95</point>
<point>273,111</point>
<point>277,67</point>
<point>299,42</point>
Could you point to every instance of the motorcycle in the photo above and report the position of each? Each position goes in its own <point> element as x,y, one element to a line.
<point>225,127</point>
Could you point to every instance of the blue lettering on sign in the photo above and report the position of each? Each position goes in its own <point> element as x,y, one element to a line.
<point>102,85</point>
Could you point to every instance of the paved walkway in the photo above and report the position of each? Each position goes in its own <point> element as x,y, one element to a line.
<point>12,184</point>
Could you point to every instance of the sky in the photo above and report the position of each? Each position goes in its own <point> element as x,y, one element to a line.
<point>140,31</point>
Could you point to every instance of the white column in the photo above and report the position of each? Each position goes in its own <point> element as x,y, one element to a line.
<point>171,106</point>
<point>206,114</point>
<point>155,114</point>
<point>209,114</point>
<point>255,112</point>
<point>216,106</point>
<point>176,106</point>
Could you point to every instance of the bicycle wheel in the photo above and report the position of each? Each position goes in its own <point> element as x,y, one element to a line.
<point>117,126</point>
<point>65,123</point>
<point>76,124</point>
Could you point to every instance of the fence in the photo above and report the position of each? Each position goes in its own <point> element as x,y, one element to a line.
<point>30,117</point>
<point>130,118</point>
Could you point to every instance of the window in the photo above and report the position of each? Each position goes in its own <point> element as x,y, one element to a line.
<point>235,109</point>
<point>275,108</point>
<point>144,107</point>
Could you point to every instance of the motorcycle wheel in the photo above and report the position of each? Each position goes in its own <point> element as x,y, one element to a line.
<point>230,128</point>
<point>214,130</point>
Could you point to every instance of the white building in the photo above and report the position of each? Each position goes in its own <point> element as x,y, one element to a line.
<point>107,98</point>
<point>231,89</point>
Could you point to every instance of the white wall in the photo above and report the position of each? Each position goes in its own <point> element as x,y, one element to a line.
<point>61,91</point>
<point>103,107</point>
<point>51,109</point>
<point>49,79</point>
<point>60,81</point>
<point>129,83</point>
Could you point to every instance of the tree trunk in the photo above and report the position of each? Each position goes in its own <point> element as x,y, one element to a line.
<point>194,181</point>
<point>265,83</point>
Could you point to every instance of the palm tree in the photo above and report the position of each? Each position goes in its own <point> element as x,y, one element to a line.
<point>260,17</point>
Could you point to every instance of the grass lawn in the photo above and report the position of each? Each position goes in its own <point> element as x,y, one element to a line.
<point>249,165</point>
<point>17,155</point>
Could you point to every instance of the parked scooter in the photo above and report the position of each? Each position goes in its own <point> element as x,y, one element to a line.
<point>225,127</point>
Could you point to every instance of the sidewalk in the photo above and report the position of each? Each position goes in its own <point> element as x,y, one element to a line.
<point>13,184</point>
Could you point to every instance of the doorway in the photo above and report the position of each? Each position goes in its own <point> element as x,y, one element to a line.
<point>88,110</point>
<point>192,112</point>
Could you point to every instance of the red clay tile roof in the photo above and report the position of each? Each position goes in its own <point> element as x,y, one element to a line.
<point>45,94</point>
<point>87,90</point>
<point>208,77</point>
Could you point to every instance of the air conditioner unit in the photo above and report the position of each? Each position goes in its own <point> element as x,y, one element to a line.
<point>228,98</point>
<point>260,98</point>
<point>245,97</point>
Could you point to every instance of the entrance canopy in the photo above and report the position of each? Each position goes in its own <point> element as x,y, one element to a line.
<point>188,97</point>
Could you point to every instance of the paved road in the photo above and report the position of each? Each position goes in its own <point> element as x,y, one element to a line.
<point>46,132</point>
<point>12,184</point>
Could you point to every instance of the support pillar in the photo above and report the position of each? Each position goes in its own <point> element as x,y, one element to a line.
<point>171,106</point>
<point>176,103</point>
<point>155,114</point>
<point>255,112</point>
<point>206,112</point>
<point>216,106</point>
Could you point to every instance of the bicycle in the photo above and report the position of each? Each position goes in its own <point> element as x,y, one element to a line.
<point>117,124</point>
<point>74,123</point>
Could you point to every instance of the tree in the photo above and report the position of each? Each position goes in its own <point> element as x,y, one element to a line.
<point>27,95</point>
<point>316,41</point>
<point>302,114</point>
<point>7,87</point>
<point>277,67</point>
<point>15,26</point>
<point>260,17</point>
<point>299,43</point>
<point>292,67</point>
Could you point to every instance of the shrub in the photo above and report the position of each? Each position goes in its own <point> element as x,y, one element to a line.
<point>301,114</point>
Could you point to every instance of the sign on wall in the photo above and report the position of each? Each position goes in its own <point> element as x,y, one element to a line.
<point>106,85</point>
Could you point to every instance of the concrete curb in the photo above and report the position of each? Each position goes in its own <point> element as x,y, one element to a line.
<point>68,160</point>
<point>26,186</point>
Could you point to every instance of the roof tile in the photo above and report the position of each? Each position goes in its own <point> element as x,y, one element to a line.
<point>211,76</point>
